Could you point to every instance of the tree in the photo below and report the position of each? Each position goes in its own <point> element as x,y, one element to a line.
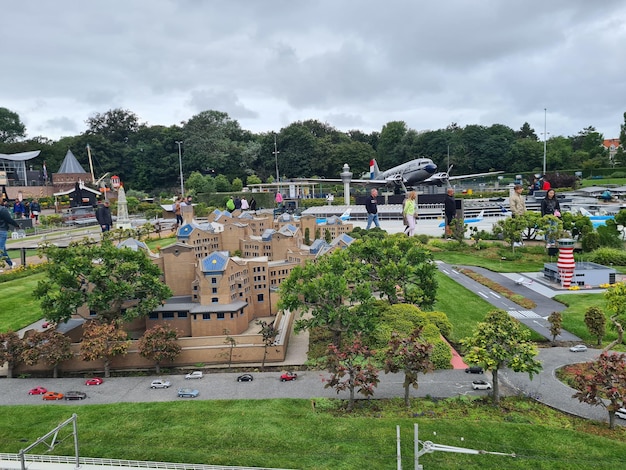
<point>604,380</point>
<point>596,323</point>
<point>400,268</point>
<point>11,127</point>
<point>389,144</point>
<point>222,185</point>
<point>209,142</point>
<point>116,125</point>
<point>269,333</point>
<point>103,341</point>
<point>114,283</point>
<point>199,184</point>
<point>353,364</point>
<point>231,342</point>
<point>556,321</point>
<point>501,341</point>
<point>159,344</point>
<point>11,350</point>
<point>335,292</point>
<point>253,179</point>
<point>526,132</point>
<point>237,185</point>
<point>410,355</point>
<point>615,297</point>
<point>51,347</point>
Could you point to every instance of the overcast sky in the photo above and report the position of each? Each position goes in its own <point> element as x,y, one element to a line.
<point>355,64</point>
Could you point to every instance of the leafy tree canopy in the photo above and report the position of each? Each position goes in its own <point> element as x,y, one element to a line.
<point>115,283</point>
<point>11,127</point>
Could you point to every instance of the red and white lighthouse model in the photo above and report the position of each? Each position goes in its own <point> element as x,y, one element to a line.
<point>566,263</point>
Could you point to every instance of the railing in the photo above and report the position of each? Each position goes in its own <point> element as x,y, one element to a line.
<point>71,461</point>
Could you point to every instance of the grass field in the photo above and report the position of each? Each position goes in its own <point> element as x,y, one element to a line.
<point>289,433</point>
<point>495,258</point>
<point>18,305</point>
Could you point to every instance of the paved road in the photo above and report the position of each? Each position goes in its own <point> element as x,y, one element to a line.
<point>546,388</point>
<point>310,384</point>
<point>224,385</point>
<point>535,319</point>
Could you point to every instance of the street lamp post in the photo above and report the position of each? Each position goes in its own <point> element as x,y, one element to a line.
<point>276,152</point>
<point>545,139</point>
<point>180,164</point>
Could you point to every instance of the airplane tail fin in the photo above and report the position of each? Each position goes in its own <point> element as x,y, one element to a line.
<point>481,216</point>
<point>374,171</point>
<point>346,214</point>
<point>585,212</point>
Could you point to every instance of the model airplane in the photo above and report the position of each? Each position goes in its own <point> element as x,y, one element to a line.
<point>324,220</point>
<point>596,220</point>
<point>469,220</point>
<point>407,175</point>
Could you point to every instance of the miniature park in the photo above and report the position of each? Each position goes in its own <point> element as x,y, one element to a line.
<point>226,289</point>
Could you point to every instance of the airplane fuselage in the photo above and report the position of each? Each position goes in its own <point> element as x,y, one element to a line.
<point>410,173</point>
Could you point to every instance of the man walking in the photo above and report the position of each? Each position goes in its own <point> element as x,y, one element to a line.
<point>5,221</point>
<point>450,211</point>
<point>103,216</point>
<point>371,205</point>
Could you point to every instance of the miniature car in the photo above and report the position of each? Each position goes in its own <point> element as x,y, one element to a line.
<point>160,383</point>
<point>474,370</point>
<point>245,378</point>
<point>94,381</point>
<point>578,348</point>
<point>52,396</point>
<point>481,385</point>
<point>187,393</point>
<point>74,395</point>
<point>288,376</point>
<point>196,374</point>
<point>37,391</point>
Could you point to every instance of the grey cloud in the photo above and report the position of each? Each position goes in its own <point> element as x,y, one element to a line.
<point>273,62</point>
<point>226,101</point>
<point>63,124</point>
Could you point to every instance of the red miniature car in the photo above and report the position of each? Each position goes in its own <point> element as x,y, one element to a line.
<point>288,376</point>
<point>37,391</point>
<point>94,381</point>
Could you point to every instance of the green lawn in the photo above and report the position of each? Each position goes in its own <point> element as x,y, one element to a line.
<point>289,433</point>
<point>574,317</point>
<point>464,308</point>
<point>496,258</point>
<point>18,305</point>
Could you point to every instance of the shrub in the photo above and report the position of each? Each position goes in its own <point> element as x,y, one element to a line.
<point>608,256</point>
<point>441,320</point>
<point>423,238</point>
<point>590,241</point>
<point>441,355</point>
<point>52,220</point>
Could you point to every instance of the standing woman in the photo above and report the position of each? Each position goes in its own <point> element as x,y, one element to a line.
<point>550,204</point>
<point>409,211</point>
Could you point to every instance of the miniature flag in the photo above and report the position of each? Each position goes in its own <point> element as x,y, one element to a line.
<point>45,172</point>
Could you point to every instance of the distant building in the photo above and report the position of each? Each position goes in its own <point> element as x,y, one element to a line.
<point>214,290</point>
<point>586,274</point>
<point>612,145</point>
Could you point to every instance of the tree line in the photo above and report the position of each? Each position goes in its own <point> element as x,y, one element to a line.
<point>146,157</point>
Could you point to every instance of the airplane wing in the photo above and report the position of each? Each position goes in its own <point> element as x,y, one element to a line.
<point>474,175</point>
<point>339,180</point>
